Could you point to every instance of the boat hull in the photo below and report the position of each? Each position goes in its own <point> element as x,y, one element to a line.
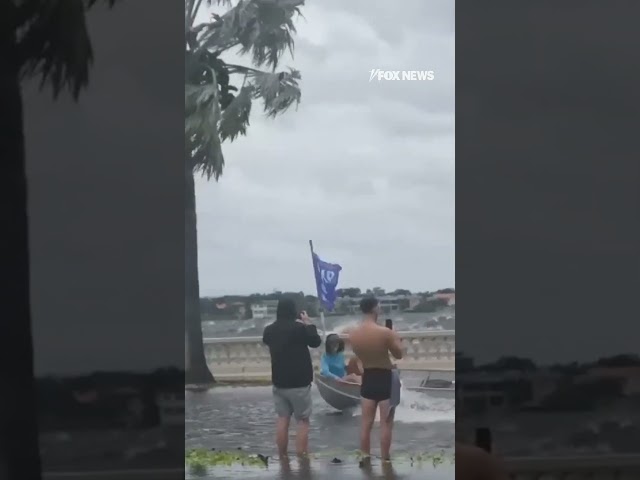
<point>339,395</point>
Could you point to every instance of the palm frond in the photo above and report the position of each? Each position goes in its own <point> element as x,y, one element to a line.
<point>235,118</point>
<point>262,28</point>
<point>202,109</point>
<point>56,45</point>
<point>270,37</point>
<point>278,91</point>
<point>54,42</point>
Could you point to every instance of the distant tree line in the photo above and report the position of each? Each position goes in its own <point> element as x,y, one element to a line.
<point>353,292</point>
<point>210,307</point>
<point>430,305</point>
<point>239,306</point>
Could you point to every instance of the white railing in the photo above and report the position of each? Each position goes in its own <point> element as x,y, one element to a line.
<point>597,467</point>
<point>248,355</point>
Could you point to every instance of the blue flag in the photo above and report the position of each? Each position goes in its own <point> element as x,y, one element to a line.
<point>326,281</point>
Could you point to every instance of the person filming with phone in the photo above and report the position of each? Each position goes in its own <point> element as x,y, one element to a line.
<point>289,339</point>
<point>373,344</point>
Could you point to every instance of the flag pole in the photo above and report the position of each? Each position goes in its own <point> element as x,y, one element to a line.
<point>315,273</point>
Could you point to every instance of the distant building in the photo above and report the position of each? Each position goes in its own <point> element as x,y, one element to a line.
<point>259,311</point>
<point>388,303</point>
<point>265,309</point>
<point>450,298</point>
<point>222,309</point>
<point>391,304</point>
<point>414,301</point>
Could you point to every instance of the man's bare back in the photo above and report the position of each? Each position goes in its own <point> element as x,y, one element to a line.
<point>373,343</point>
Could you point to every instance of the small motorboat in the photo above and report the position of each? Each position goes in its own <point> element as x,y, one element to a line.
<point>340,395</point>
<point>437,387</point>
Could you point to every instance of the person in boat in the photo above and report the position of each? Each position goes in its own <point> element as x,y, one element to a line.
<point>333,363</point>
<point>289,339</point>
<point>354,366</point>
<point>372,344</point>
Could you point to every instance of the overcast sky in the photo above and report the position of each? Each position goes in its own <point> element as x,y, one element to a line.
<point>364,169</point>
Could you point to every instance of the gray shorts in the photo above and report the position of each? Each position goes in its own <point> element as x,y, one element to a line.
<point>293,401</point>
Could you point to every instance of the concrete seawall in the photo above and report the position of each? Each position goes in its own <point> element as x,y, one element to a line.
<point>247,358</point>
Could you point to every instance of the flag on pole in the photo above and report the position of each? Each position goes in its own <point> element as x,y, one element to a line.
<point>327,275</point>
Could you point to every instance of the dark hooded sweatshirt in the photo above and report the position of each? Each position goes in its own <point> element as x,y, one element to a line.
<point>289,343</point>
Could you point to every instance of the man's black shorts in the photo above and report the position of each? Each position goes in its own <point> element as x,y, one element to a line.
<point>376,384</point>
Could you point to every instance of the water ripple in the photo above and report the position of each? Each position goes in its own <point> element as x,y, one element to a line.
<point>243,417</point>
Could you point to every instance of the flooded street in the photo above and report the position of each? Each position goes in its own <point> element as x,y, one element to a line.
<point>323,470</point>
<point>228,418</point>
<point>232,418</point>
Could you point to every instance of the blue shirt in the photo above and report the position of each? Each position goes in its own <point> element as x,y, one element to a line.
<point>333,366</point>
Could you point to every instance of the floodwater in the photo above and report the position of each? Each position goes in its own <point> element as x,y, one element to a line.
<point>232,418</point>
<point>322,470</point>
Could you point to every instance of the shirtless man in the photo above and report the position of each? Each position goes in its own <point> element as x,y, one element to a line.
<point>372,344</point>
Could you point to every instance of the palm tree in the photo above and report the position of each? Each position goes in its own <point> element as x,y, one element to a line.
<point>216,110</point>
<point>47,38</point>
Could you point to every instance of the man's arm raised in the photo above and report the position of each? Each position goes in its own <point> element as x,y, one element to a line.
<point>312,339</point>
<point>395,345</point>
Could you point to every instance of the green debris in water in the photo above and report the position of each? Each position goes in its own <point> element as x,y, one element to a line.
<point>434,458</point>
<point>199,459</point>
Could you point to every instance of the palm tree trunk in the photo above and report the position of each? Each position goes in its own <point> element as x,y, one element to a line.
<point>197,371</point>
<point>19,405</point>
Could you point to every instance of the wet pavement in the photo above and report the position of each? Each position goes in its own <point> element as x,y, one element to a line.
<point>324,469</point>
<point>242,419</point>
<point>228,418</point>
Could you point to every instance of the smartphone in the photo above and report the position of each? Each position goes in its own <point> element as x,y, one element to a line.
<point>388,323</point>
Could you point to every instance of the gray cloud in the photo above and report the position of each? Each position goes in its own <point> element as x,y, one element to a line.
<point>365,169</point>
